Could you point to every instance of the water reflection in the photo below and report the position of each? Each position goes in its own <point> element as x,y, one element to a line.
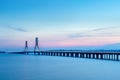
<point>32,67</point>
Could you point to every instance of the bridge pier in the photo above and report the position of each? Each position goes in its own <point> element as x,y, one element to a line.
<point>89,55</point>
<point>67,54</point>
<point>60,54</point>
<point>36,49</point>
<point>64,54</point>
<point>81,55</point>
<point>86,55</point>
<point>114,56</point>
<point>56,54</point>
<point>72,55</point>
<point>76,55</point>
<point>107,56</point>
<point>93,56</point>
<point>117,57</point>
<point>104,56</point>
<point>26,47</point>
<point>101,56</point>
<point>47,53</point>
<point>96,56</point>
<point>39,53</point>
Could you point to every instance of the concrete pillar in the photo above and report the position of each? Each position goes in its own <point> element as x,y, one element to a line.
<point>67,54</point>
<point>117,57</point>
<point>71,54</point>
<point>76,55</point>
<point>93,56</point>
<point>109,56</point>
<point>97,56</point>
<point>101,56</point>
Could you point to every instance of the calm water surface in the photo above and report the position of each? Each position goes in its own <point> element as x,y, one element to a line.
<point>31,67</point>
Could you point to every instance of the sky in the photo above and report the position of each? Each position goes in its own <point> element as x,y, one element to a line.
<point>60,24</point>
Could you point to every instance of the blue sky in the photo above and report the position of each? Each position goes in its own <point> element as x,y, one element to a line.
<point>59,23</point>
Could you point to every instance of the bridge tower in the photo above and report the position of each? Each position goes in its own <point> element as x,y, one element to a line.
<point>26,47</point>
<point>36,49</point>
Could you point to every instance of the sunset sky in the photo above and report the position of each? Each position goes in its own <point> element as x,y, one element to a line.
<point>60,24</point>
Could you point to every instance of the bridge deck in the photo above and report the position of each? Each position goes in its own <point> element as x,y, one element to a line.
<point>77,54</point>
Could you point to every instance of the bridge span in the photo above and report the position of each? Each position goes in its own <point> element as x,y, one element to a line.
<point>76,54</point>
<point>107,55</point>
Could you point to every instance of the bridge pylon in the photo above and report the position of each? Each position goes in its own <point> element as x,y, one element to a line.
<point>36,49</point>
<point>26,47</point>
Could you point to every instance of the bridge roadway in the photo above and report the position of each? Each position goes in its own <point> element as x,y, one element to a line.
<point>76,54</point>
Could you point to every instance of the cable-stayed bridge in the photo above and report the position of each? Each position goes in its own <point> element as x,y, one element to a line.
<point>103,55</point>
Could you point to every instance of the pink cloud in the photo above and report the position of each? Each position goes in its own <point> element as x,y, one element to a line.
<point>91,41</point>
<point>94,41</point>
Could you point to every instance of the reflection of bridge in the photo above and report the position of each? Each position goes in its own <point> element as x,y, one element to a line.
<point>76,54</point>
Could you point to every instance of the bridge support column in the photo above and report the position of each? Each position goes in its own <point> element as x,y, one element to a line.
<point>60,54</point>
<point>97,56</point>
<point>76,55</point>
<point>26,47</point>
<point>109,56</point>
<point>117,57</point>
<point>67,54</point>
<point>72,54</point>
<point>93,56</point>
<point>105,57</point>
<point>63,54</point>
<point>86,55</point>
<point>114,56</point>
<point>89,55</point>
<point>83,55</point>
<point>101,56</point>
<point>80,55</point>
<point>36,49</point>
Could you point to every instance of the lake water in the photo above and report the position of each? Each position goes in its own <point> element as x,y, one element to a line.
<point>31,67</point>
